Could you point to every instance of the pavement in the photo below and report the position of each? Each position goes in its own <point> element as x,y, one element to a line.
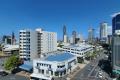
<point>13,77</point>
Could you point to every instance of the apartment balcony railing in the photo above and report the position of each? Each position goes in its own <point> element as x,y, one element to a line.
<point>61,69</point>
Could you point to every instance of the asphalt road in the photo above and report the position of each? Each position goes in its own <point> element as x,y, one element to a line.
<point>13,77</point>
<point>2,60</point>
<point>90,71</point>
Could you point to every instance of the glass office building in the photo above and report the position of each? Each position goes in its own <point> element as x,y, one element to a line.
<point>116,43</point>
<point>116,23</point>
<point>116,52</point>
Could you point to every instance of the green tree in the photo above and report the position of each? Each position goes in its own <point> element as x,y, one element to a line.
<point>60,45</point>
<point>80,59</point>
<point>11,62</point>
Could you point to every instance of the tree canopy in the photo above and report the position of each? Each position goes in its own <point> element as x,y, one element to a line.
<point>11,62</point>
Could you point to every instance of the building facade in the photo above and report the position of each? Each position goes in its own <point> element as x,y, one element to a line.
<point>34,44</point>
<point>90,35</point>
<point>74,35</point>
<point>103,30</point>
<point>79,50</point>
<point>28,44</point>
<point>115,22</point>
<point>115,52</point>
<point>10,49</point>
<point>116,43</point>
<point>57,65</point>
<point>64,33</point>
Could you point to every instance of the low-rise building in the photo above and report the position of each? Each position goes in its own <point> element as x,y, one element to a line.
<point>10,49</point>
<point>56,65</point>
<point>79,50</point>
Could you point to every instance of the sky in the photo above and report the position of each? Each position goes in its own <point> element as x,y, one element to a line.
<point>51,15</point>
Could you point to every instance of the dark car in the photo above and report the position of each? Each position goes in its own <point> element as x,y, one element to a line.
<point>3,73</point>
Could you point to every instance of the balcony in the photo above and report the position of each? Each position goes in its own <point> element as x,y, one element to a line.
<point>61,69</point>
<point>37,67</point>
<point>49,69</point>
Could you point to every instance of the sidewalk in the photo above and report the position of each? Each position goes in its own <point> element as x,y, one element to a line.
<point>23,73</point>
<point>75,71</point>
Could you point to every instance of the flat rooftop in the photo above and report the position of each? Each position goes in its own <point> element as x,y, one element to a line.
<point>59,57</point>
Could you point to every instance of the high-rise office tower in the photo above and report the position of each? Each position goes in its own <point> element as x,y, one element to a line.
<point>13,41</point>
<point>74,34</point>
<point>90,35</point>
<point>116,23</point>
<point>116,42</point>
<point>81,38</point>
<point>103,30</point>
<point>6,39</point>
<point>64,31</point>
<point>34,44</point>
<point>116,52</point>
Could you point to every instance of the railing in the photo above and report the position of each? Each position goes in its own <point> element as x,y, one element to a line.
<point>61,69</point>
<point>38,67</point>
<point>50,69</point>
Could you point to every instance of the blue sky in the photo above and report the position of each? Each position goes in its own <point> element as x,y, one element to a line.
<point>51,15</point>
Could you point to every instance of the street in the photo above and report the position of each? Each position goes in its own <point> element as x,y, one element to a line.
<point>2,60</point>
<point>91,71</point>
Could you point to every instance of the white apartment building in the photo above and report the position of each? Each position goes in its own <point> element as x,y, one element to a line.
<point>34,44</point>
<point>79,50</point>
<point>52,66</point>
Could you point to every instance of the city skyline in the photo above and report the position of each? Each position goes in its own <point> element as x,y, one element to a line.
<point>53,15</point>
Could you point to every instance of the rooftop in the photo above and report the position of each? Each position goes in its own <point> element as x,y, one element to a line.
<point>59,57</point>
<point>79,47</point>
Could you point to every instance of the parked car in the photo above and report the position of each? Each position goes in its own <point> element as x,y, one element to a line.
<point>3,73</point>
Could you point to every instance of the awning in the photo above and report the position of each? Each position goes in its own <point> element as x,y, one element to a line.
<point>26,67</point>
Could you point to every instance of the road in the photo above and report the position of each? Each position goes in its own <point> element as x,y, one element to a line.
<point>13,77</point>
<point>2,60</point>
<point>90,71</point>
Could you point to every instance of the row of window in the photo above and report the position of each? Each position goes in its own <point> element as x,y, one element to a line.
<point>77,49</point>
<point>75,52</point>
<point>24,48</point>
<point>61,66</point>
<point>42,64</point>
<point>24,35</point>
<point>25,52</point>
<point>24,32</point>
<point>28,39</point>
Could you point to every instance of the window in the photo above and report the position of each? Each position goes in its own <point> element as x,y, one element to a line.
<point>42,71</point>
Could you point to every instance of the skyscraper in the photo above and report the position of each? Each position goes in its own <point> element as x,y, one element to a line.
<point>116,23</point>
<point>65,37</point>
<point>90,35</point>
<point>103,30</point>
<point>13,39</point>
<point>64,31</point>
<point>116,43</point>
<point>74,34</point>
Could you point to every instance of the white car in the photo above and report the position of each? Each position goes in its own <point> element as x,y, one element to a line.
<point>100,76</point>
<point>100,73</point>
